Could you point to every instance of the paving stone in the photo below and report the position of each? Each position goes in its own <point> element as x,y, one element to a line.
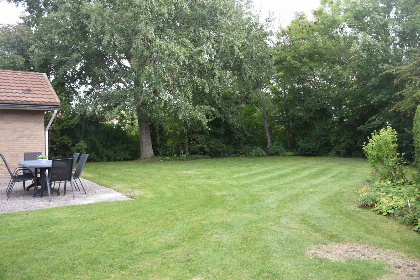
<point>21,200</point>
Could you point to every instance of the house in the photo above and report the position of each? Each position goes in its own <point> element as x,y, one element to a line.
<point>24,99</point>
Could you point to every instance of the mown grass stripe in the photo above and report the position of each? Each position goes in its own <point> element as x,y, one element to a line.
<point>197,220</point>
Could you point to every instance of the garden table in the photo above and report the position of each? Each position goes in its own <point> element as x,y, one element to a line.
<point>43,166</point>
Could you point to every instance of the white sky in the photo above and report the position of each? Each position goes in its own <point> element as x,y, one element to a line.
<point>283,10</point>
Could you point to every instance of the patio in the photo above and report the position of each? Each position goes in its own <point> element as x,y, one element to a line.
<point>21,200</point>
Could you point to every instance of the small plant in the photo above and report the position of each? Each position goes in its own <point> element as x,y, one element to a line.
<point>368,200</point>
<point>41,157</point>
<point>381,151</point>
<point>257,152</point>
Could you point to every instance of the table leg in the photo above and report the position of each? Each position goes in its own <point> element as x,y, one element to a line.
<point>72,185</point>
<point>35,181</point>
<point>48,186</point>
<point>45,184</point>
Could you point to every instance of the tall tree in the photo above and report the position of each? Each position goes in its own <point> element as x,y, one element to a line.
<point>145,56</point>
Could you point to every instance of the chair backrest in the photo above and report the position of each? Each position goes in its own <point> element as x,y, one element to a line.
<point>7,166</point>
<point>61,169</point>
<point>31,156</point>
<point>80,166</point>
<point>75,157</point>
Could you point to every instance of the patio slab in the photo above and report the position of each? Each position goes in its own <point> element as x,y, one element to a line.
<point>21,200</point>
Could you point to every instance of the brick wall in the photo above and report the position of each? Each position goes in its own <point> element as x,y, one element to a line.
<point>20,131</point>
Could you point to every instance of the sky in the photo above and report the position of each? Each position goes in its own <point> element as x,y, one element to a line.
<point>283,10</point>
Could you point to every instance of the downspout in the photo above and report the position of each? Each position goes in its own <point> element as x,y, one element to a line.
<point>46,132</point>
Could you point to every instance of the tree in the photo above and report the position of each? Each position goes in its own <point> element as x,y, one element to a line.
<point>16,47</point>
<point>334,86</point>
<point>150,57</point>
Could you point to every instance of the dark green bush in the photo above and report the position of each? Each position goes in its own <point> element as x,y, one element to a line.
<point>257,152</point>
<point>90,134</point>
<point>276,150</point>
<point>206,145</point>
<point>182,157</point>
<point>316,142</point>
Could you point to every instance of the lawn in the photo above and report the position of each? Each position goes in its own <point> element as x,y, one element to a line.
<point>234,218</point>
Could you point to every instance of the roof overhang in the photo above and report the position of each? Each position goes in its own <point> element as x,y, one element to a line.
<point>30,107</point>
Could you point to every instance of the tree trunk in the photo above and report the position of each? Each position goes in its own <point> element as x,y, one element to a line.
<point>287,122</point>
<point>287,128</point>
<point>146,148</point>
<point>266,130</point>
<point>186,144</point>
<point>288,136</point>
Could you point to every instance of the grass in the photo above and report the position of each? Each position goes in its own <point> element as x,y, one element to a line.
<point>235,218</point>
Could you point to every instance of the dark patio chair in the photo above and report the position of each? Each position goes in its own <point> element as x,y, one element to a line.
<point>32,156</point>
<point>75,157</point>
<point>20,174</point>
<point>61,171</point>
<point>79,170</point>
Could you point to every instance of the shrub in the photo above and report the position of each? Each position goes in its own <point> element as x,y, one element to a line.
<point>368,200</point>
<point>182,157</point>
<point>257,152</point>
<point>276,150</point>
<point>381,151</point>
<point>398,200</point>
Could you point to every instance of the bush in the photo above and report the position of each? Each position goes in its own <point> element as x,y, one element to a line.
<point>257,152</point>
<point>182,157</point>
<point>368,200</point>
<point>89,134</point>
<point>398,200</point>
<point>381,151</point>
<point>276,150</point>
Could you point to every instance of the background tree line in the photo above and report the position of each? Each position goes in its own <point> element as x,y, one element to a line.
<point>207,77</point>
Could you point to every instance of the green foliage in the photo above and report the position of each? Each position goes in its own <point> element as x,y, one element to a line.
<point>182,157</point>
<point>192,60</point>
<point>381,151</point>
<point>15,47</point>
<point>81,147</point>
<point>416,136</point>
<point>201,72</point>
<point>276,150</point>
<point>399,200</point>
<point>257,152</point>
<point>92,135</point>
<point>333,75</point>
<point>368,199</point>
